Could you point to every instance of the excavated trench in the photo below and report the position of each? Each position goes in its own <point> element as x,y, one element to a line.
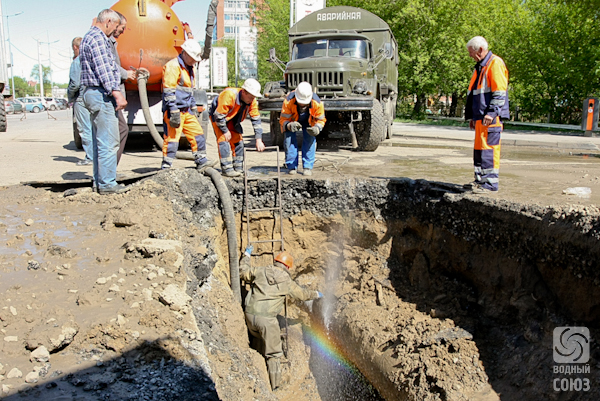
<point>430,293</point>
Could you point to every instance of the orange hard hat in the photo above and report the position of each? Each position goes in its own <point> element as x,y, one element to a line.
<point>285,258</point>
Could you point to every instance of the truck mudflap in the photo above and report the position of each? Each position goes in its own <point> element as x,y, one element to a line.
<point>336,104</point>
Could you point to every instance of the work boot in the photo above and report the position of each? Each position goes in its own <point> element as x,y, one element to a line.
<point>201,167</point>
<point>293,171</point>
<point>115,189</point>
<point>274,369</point>
<point>307,171</point>
<point>227,168</point>
<point>231,173</point>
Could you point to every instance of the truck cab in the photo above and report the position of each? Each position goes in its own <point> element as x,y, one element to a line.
<point>349,56</point>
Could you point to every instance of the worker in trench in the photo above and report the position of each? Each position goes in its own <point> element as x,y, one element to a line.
<point>179,107</point>
<point>227,112</point>
<point>269,287</point>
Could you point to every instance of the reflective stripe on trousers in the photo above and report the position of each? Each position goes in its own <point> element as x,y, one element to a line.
<point>192,130</point>
<point>486,154</point>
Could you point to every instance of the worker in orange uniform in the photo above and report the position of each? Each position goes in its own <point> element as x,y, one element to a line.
<point>179,107</point>
<point>303,111</point>
<point>227,112</point>
<point>269,287</point>
<point>487,105</point>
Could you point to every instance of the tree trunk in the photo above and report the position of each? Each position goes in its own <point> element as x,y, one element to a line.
<point>419,109</point>
<point>453,105</point>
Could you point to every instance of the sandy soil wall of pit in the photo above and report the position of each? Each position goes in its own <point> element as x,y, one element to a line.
<point>505,260</point>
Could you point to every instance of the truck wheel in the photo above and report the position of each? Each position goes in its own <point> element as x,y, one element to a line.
<point>2,117</point>
<point>76,136</point>
<point>276,134</point>
<point>371,131</point>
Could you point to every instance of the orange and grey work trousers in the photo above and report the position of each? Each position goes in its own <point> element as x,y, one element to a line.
<point>192,130</point>
<point>486,154</point>
<point>231,152</point>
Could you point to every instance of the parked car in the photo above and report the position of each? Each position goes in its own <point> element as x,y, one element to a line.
<point>32,104</point>
<point>50,103</point>
<point>13,106</point>
<point>62,103</point>
<point>8,107</point>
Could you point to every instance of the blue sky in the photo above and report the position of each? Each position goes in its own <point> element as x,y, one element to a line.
<point>62,20</point>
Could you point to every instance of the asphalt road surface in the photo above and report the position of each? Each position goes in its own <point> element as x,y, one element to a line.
<point>535,167</point>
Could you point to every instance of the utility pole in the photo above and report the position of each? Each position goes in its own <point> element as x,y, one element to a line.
<point>12,67</point>
<point>50,63</point>
<point>41,72</point>
<point>236,42</point>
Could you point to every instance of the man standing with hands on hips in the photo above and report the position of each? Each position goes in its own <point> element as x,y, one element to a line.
<point>487,105</point>
<point>103,98</point>
<point>302,110</point>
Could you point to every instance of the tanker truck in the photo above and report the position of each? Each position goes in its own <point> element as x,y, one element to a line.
<point>154,36</point>
<point>350,58</point>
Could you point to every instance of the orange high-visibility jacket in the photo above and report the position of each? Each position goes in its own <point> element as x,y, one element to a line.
<point>289,112</point>
<point>487,93</point>
<point>228,107</point>
<point>177,86</point>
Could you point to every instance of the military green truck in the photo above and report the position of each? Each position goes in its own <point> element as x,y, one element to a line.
<point>350,57</point>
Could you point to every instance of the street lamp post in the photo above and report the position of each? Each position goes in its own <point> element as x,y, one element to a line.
<point>12,75</point>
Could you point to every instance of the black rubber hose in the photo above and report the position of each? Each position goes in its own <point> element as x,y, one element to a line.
<point>142,81</point>
<point>228,216</point>
<point>210,25</point>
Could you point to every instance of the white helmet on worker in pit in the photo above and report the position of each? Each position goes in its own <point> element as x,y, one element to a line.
<point>304,93</point>
<point>193,49</point>
<point>252,86</point>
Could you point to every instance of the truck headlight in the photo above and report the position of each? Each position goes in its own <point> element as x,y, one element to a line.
<point>360,87</point>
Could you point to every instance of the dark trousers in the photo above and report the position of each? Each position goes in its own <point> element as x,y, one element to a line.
<point>123,133</point>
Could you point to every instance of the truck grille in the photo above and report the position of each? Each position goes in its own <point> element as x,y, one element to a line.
<point>330,80</point>
<point>326,81</point>
<point>293,79</point>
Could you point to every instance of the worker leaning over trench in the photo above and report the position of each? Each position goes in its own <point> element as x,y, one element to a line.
<point>269,287</point>
<point>179,107</point>
<point>227,112</point>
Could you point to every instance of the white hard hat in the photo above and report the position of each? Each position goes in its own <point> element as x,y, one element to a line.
<point>304,93</point>
<point>193,49</point>
<point>252,86</point>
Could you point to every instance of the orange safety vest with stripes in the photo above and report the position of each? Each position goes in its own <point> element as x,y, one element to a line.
<point>177,86</point>
<point>488,90</point>
<point>289,112</point>
<point>228,106</point>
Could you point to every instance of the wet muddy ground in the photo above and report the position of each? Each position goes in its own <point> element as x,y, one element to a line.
<point>434,294</point>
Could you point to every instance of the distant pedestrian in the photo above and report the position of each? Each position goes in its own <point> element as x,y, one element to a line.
<point>487,105</point>
<point>124,76</point>
<point>81,114</point>
<point>302,111</point>
<point>103,98</point>
<point>227,112</point>
<point>180,109</point>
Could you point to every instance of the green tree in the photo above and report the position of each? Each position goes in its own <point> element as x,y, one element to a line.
<point>22,88</point>
<point>35,75</point>
<point>553,56</point>
<point>272,22</point>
